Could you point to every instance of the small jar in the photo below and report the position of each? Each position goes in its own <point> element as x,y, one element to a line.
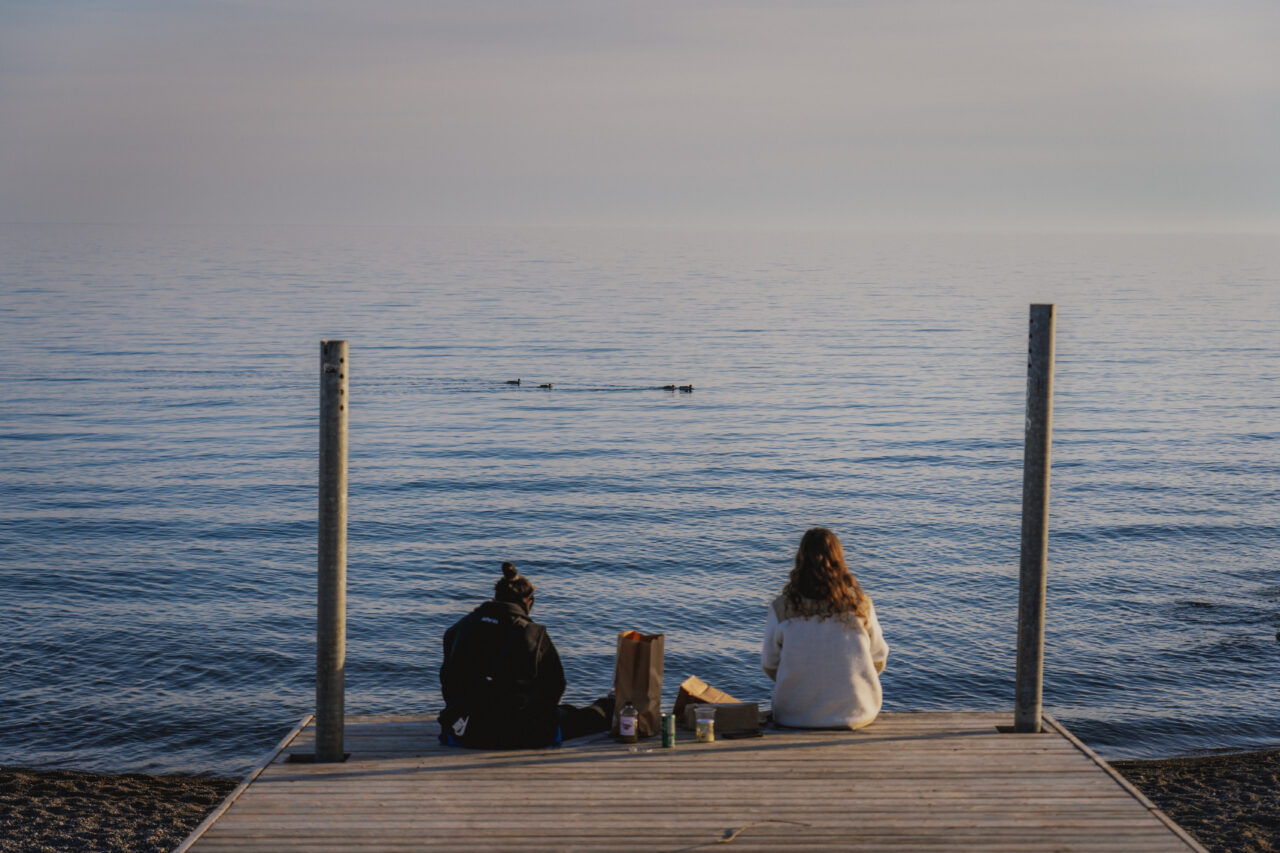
<point>705,723</point>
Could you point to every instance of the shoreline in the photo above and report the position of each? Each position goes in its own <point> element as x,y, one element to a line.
<point>51,811</point>
<point>1227,802</point>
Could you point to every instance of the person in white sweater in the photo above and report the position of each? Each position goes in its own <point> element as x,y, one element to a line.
<point>823,646</point>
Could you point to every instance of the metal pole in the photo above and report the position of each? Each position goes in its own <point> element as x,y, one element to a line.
<point>1035,520</point>
<point>331,598</point>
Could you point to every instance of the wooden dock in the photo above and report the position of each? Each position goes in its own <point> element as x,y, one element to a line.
<point>909,782</point>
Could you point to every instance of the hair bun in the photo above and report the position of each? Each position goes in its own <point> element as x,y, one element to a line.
<point>509,571</point>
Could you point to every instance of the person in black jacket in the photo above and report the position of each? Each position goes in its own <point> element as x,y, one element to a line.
<point>502,679</point>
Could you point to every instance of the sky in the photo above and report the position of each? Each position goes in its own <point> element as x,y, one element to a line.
<point>952,115</point>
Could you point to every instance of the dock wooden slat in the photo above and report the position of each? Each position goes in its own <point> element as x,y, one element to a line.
<point>911,782</point>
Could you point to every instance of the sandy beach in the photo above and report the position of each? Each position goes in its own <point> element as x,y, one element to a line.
<point>1228,802</point>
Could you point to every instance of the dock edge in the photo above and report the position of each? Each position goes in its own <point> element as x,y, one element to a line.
<point>1124,783</point>
<point>242,787</point>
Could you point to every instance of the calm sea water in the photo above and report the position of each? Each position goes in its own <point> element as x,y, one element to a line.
<point>158,453</point>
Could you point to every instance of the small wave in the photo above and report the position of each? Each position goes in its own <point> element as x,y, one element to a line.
<point>1170,531</point>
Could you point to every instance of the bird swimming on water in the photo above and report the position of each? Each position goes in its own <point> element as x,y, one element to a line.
<point>513,381</point>
<point>546,385</point>
<point>688,389</point>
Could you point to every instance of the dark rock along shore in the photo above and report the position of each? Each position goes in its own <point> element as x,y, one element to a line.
<point>1228,802</point>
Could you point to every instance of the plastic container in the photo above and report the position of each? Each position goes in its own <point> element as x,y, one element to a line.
<point>704,728</point>
<point>628,723</point>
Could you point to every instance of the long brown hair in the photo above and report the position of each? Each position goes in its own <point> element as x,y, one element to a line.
<point>821,584</point>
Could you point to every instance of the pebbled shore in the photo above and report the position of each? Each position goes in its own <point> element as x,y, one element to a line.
<point>1230,803</point>
<point>42,811</point>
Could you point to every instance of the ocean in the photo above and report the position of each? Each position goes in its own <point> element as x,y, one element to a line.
<point>158,448</point>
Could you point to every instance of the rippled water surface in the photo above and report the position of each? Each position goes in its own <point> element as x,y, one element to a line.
<point>158,453</point>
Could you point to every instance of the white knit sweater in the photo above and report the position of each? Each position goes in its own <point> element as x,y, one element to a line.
<point>826,670</point>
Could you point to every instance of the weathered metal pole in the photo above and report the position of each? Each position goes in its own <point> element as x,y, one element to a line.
<point>331,597</point>
<point>1035,520</point>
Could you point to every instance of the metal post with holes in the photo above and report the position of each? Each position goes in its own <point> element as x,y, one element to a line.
<point>331,597</point>
<point>1035,520</point>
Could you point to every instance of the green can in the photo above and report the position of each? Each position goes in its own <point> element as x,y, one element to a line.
<point>668,730</point>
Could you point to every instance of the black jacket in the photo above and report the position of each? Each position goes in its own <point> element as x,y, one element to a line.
<point>502,679</point>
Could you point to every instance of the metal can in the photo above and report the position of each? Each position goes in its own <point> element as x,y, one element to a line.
<point>668,730</point>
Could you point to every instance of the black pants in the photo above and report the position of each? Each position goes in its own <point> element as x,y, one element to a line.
<point>578,722</point>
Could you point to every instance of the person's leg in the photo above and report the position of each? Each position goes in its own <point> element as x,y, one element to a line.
<point>578,722</point>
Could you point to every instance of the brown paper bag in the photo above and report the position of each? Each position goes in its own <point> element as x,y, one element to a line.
<point>694,691</point>
<point>637,678</point>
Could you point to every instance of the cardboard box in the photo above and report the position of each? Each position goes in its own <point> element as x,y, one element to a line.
<point>730,716</point>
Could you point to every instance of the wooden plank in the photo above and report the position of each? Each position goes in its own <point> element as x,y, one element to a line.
<point>921,781</point>
<point>885,802</point>
<point>870,798</point>
<point>1048,783</point>
<point>1126,784</point>
<point>702,774</point>
<point>478,838</point>
<point>242,787</point>
<point>767,743</point>
<point>763,745</point>
<point>567,830</point>
<point>797,769</point>
<point>742,844</point>
<point>908,787</point>
<point>865,805</point>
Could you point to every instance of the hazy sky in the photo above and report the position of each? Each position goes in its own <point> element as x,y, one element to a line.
<point>952,114</point>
